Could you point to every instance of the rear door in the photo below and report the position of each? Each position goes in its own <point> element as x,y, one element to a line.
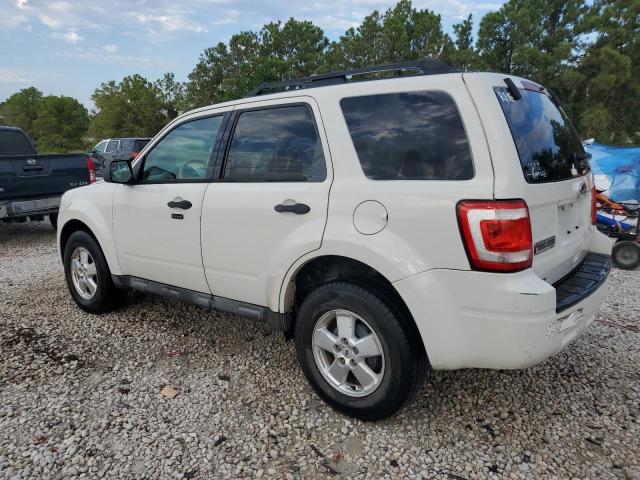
<point>270,205</point>
<point>538,156</point>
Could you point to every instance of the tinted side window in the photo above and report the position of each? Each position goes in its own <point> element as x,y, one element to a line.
<point>140,144</point>
<point>13,142</point>
<point>276,145</point>
<point>184,153</point>
<point>112,146</point>
<point>409,136</point>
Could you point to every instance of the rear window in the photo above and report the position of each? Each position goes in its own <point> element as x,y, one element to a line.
<point>408,136</point>
<point>549,148</point>
<point>13,142</point>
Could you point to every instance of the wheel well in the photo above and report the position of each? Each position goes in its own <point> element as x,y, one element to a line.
<point>331,268</point>
<point>70,227</point>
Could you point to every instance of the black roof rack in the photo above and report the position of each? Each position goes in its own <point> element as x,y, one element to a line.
<point>418,67</point>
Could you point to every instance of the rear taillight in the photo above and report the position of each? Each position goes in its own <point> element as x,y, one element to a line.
<point>91,167</point>
<point>134,154</point>
<point>594,205</point>
<point>497,234</point>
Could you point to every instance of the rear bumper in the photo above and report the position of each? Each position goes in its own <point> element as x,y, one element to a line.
<point>25,208</point>
<point>473,319</point>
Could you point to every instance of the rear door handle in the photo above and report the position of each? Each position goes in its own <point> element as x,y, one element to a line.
<point>179,203</point>
<point>297,208</point>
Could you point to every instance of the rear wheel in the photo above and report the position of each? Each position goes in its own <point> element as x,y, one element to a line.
<point>626,255</point>
<point>359,353</point>
<point>88,276</point>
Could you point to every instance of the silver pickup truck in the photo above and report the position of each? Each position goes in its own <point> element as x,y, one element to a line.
<point>30,184</point>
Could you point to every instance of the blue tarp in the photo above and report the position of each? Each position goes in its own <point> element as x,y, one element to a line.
<point>621,166</point>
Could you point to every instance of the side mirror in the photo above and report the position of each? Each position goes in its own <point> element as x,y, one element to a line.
<point>119,171</point>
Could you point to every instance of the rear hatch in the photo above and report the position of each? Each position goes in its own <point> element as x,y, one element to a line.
<point>39,176</point>
<point>538,157</point>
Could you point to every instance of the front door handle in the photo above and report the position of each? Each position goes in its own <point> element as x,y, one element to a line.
<point>179,203</point>
<point>297,208</point>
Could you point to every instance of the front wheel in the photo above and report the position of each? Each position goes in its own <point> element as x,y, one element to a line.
<point>360,354</point>
<point>88,276</point>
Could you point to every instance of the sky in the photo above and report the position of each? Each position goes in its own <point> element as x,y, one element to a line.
<point>67,47</point>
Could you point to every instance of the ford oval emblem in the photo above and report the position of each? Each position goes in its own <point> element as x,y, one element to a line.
<point>581,188</point>
<point>31,161</point>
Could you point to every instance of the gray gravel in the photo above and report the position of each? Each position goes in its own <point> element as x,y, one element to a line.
<point>80,396</point>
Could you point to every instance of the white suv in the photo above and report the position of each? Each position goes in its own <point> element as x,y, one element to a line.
<point>438,220</point>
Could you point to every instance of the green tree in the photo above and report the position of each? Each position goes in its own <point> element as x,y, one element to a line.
<point>538,39</point>
<point>402,33</point>
<point>61,124</point>
<point>461,53</point>
<point>611,72</point>
<point>277,52</point>
<point>172,94</point>
<point>21,109</point>
<point>133,107</point>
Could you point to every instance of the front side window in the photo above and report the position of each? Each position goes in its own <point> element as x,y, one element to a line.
<point>408,136</point>
<point>549,148</point>
<point>276,145</point>
<point>183,154</point>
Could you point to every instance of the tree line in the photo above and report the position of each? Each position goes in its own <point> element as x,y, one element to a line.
<point>588,53</point>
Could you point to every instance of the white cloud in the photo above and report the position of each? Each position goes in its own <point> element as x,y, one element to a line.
<point>111,48</point>
<point>9,75</point>
<point>163,24</point>
<point>72,37</point>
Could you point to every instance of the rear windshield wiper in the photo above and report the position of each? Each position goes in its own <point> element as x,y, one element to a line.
<point>513,89</point>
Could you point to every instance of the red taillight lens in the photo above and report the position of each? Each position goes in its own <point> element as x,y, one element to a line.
<point>594,205</point>
<point>134,154</point>
<point>497,234</point>
<point>91,167</point>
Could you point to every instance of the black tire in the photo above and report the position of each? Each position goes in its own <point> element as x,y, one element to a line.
<point>405,362</point>
<point>53,219</point>
<point>626,255</point>
<point>107,297</point>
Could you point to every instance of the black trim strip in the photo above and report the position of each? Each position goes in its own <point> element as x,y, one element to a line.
<point>278,321</point>
<point>583,281</point>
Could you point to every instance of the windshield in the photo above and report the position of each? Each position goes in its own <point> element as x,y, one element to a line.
<point>548,146</point>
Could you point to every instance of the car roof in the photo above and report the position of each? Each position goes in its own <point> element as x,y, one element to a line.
<point>13,129</point>
<point>129,138</point>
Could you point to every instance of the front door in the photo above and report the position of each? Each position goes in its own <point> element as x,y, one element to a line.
<point>157,219</point>
<point>270,205</point>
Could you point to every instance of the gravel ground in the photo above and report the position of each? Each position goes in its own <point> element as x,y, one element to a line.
<point>80,396</point>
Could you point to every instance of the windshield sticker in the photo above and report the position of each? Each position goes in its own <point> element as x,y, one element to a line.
<point>505,97</point>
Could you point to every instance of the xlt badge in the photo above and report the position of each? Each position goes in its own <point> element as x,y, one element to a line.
<point>544,245</point>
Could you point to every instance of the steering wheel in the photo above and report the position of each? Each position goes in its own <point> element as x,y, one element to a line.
<point>191,170</point>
